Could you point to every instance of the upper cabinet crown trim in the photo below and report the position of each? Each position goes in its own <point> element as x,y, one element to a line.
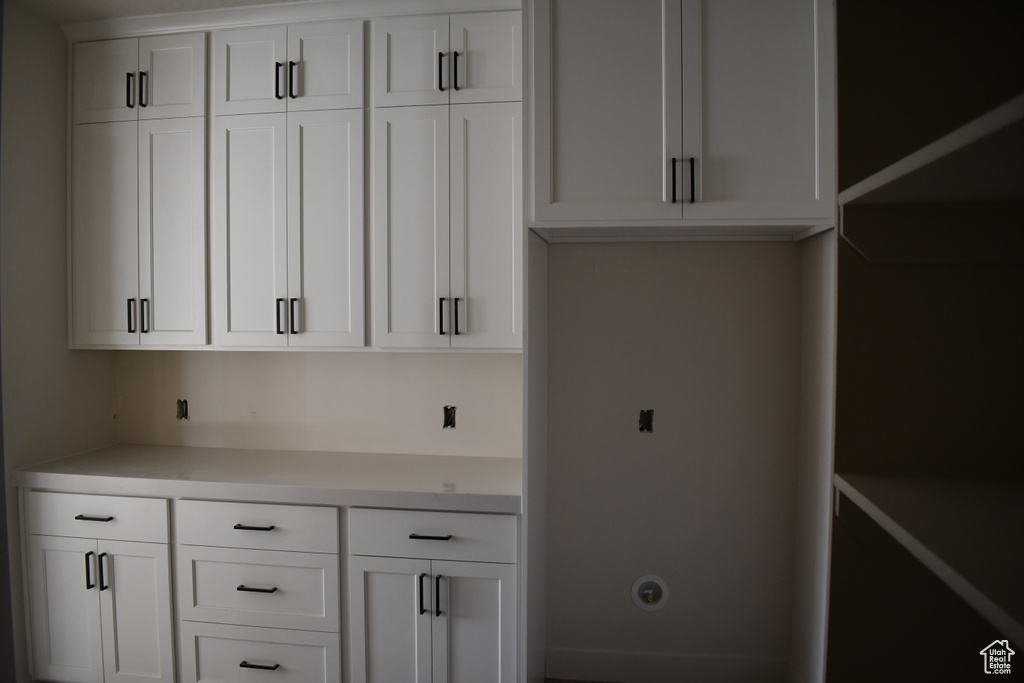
<point>291,12</point>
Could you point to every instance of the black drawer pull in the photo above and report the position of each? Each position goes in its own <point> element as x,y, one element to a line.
<point>89,585</point>
<point>88,518</point>
<point>243,527</point>
<point>440,72</point>
<point>419,537</point>
<point>263,667</point>
<point>247,589</point>
<point>423,610</point>
<point>103,581</point>
<point>437,595</point>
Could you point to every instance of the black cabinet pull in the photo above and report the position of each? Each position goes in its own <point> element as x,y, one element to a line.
<point>693,182</point>
<point>103,582</point>
<point>455,327</point>
<point>263,667</point>
<point>89,518</point>
<point>423,610</point>
<point>89,585</point>
<point>293,78</point>
<point>144,315</point>
<point>440,71</point>
<point>440,315</point>
<point>143,76</point>
<point>674,197</point>
<point>419,537</point>
<point>247,589</point>
<point>280,328</point>
<point>455,70</point>
<point>243,527</point>
<point>129,90</point>
<point>293,325</point>
<point>278,70</point>
<point>131,316</point>
<point>437,595</point>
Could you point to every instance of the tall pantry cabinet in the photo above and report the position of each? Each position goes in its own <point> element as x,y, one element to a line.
<point>138,192</point>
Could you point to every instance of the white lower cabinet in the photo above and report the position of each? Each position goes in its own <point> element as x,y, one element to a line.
<point>100,608</point>
<point>422,619</point>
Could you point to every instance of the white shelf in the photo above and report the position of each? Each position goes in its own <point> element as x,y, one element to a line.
<point>981,161</point>
<point>968,533</point>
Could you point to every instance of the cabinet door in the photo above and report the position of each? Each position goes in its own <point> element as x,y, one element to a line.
<point>64,609</point>
<point>250,70</point>
<point>474,639</point>
<point>411,61</point>
<point>105,234</point>
<point>250,259</point>
<point>172,76</point>
<point>486,225</point>
<point>391,603</point>
<point>410,227</point>
<point>606,110</point>
<point>105,83</point>
<point>489,67</point>
<point>325,65</point>
<point>759,121</point>
<point>135,609</point>
<point>172,231</point>
<point>325,229</point>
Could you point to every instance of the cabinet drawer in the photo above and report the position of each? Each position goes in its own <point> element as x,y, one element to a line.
<point>257,525</point>
<point>258,587</point>
<point>215,653</point>
<point>114,518</point>
<point>473,537</point>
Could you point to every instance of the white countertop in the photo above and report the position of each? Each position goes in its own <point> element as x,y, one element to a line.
<point>425,482</point>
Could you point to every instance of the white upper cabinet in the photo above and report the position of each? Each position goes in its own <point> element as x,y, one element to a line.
<point>464,58</point>
<point>288,68</point>
<point>288,229</point>
<point>448,226</point>
<point>714,113</point>
<point>140,78</point>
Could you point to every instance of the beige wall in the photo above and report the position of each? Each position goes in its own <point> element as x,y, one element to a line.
<point>708,335</point>
<point>361,402</point>
<point>55,401</point>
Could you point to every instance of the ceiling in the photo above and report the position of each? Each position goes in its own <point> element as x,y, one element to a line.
<point>72,11</point>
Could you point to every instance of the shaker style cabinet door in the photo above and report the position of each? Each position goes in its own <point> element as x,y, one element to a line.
<point>250,70</point>
<point>487,57</point>
<point>325,65</point>
<point>104,80</point>
<point>172,76</point>
<point>250,237</point>
<point>105,234</point>
<point>410,64</point>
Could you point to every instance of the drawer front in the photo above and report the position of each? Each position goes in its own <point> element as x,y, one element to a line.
<point>258,587</point>
<point>474,537</point>
<point>114,518</point>
<point>257,525</point>
<point>215,653</point>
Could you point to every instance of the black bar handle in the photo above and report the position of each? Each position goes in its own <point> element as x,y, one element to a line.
<point>440,315</point>
<point>143,77</point>
<point>89,518</point>
<point>144,317</point>
<point>293,78</point>
<point>456,322</point>
<point>103,582</point>
<point>89,585</point>
<point>129,90</point>
<point>280,329</point>
<point>674,197</point>
<point>437,595</point>
<point>419,537</point>
<point>440,71</point>
<point>243,527</point>
<point>455,70</point>
<point>263,667</point>
<point>248,589</point>
<point>278,69</point>
<point>693,182</point>
<point>131,316</point>
<point>293,325</point>
<point>423,610</point>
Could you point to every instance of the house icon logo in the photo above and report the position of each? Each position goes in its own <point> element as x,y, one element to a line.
<point>997,657</point>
